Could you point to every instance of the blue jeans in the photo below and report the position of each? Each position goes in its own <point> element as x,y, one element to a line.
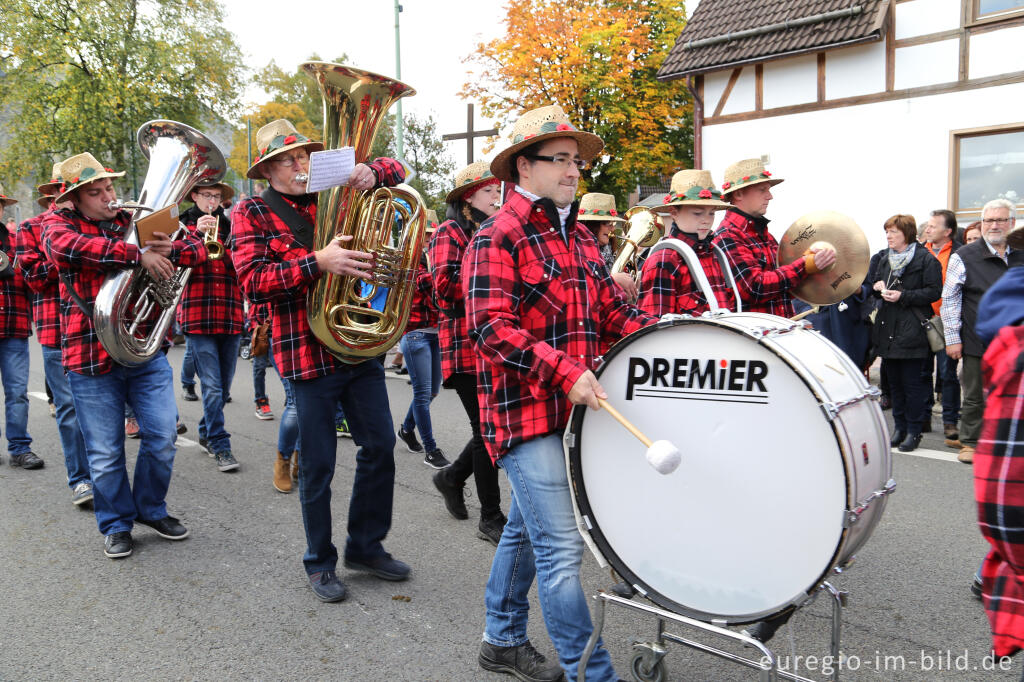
<point>288,440</point>
<point>259,376</point>
<point>541,539</point>
<point>362,392</point>
<point>215,358</point>
<point>71,440</point>
<point>99,402</point>
<point>950,388</point>
<point>188,365</point>
<point>14,374</point>
<point>423,358</point>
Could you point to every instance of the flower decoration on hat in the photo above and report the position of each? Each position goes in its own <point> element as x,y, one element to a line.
<point>726,185</point>
<point>278,142</point>
<point>693,194</point>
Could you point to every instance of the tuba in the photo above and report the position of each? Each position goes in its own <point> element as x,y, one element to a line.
<point>643,230</point>
<point>179,157</point>
<point>358,319</point>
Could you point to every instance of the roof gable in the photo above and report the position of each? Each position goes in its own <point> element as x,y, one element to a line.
<point>725,33</point>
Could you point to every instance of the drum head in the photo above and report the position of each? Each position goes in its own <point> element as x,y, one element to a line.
<point>752,519</point>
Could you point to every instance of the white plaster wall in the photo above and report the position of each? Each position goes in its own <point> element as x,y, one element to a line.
<point>996,52</point>
<point>869,161</point>
<point>927,64</point>
<point>790,81</point>
<point>714,86</point>
<point>857,70</point>
<point>742,96</point>
<point>926,16</point>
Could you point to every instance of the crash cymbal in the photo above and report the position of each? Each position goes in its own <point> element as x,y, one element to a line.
<point>823,229</point>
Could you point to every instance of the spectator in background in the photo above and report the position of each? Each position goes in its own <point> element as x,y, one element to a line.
<point>940,231</point>
<point>972,232</point>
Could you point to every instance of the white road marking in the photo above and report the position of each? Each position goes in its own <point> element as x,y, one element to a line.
<point>930,454</point>
<point>39,396</point>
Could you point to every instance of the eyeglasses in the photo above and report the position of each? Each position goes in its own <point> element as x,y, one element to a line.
<point>561,160</point>
<point>209,196</point>
<point>995,221</point>
<point>289,161</point>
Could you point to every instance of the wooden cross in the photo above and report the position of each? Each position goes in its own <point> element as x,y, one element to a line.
<point>469,134</point>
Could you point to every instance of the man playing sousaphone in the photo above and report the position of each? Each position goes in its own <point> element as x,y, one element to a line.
<point>667,285</point>
<point>86,243</point>
<point>598,213</point>
<point>276,264</point>
<point>210,315</point>
<point>763,284</point>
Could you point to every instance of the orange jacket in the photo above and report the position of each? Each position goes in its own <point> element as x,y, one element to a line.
<point>943,255</point>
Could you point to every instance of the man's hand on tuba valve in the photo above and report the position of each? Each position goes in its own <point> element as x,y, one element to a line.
<point>337,260</point>
<point>158,267</point>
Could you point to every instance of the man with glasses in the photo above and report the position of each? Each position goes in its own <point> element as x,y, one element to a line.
<point>276,264</point>
<point>210,315</point>
<point>539,305</point>
<point>970,272</point>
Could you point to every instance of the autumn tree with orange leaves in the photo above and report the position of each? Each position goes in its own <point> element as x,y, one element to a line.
<point>598,60</point>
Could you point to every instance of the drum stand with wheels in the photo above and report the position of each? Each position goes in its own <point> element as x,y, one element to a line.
<point>647,663</point>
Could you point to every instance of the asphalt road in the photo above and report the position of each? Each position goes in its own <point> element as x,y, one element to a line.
<point>231,602</point>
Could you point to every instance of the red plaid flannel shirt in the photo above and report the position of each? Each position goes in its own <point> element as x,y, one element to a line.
<point>538,310</point>
<point>274,268</point>
<point>14,296</point>
<point>667,287</point>
<point>447,248</point>
<point>999,489</point>
<point>423,312</point>
<point>763,284</point>
<point>41,277</point>
<point>212,302</point>
<point>91,250</point>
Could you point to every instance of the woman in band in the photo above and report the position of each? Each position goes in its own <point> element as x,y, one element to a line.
<point>474,199</point>
<point>666,285</point>
<point>598,212</point>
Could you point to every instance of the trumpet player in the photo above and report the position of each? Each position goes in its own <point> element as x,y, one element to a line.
<point>666,284</point>
<point>210,315</point>
<point>85,243</point>
<point>276,263</point>
<point>598,213</point>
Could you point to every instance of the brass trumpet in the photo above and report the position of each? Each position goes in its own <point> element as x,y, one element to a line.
<point>207,226</point>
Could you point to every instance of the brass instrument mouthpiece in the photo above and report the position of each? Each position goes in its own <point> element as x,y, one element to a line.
<point>117,205</point>
<point>301,177</point>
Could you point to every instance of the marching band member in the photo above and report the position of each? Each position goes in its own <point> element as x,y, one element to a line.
<point>598,213</point>
<point>41,276</point>
<point>743,234</point>
<point>273,255</point>
<point>473,200</point>
<point>539,302</point>
<point>666,285</point>
<point>86,243</point>
<point>14,358</point>
<point>210,315</point>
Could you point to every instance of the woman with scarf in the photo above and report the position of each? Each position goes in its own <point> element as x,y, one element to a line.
<point>907,279</point>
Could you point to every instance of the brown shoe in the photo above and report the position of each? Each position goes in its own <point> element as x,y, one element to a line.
<point>282,481</point>
<point>952,435</point>
<point>295,467</point>
<point>966,454</point>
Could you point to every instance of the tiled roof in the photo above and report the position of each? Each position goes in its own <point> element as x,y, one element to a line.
<point>709,41</point>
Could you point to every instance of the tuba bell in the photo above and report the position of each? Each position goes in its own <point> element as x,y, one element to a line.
<point>643,230</point>
<point>358,319</point>
<point>129,300</point>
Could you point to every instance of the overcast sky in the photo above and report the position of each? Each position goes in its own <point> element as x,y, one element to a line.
<point>436,36</point>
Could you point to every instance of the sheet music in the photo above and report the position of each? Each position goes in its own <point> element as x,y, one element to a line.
<point>330,168</point>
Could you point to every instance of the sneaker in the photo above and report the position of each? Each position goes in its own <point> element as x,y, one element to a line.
<point>393,368</point>
<point>188,393</point>
<point>26,460</point>
<point>168,527</point>
<point>402,371</point>
<point>180,427</point>
<point>454,496</point>
<point>327,587</point>
<point>226,461</point>
<point>976,586</point>
<point>205,445</point>
<point>81,493</point>
<point>263,410</point>
<point>410,440</point>
<point>118,545</point>
<point>966,454</point>
<point>53,410</point>
<point>341,429</point>
<point>384,567</point>
<point>435,458</point>
<point>491,528</point>
<point>227,399</point>
<point>523,662</point>
<point>131,427</point>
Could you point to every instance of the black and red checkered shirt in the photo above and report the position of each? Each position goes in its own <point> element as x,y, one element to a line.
<point>275,268</point>
<point>212,302</point>
<point>447,247</point>
<point>538,308</point>
<point>763,284</point>
<point>90,250</point>
<point>666,285</point>
<point>41,277</point>
<point>423,311</point>
<point>14,294</point>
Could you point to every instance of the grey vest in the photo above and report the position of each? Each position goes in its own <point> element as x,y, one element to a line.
<point>982,269</point>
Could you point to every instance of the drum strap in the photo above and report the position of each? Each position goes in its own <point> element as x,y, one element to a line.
<point>727,271</point>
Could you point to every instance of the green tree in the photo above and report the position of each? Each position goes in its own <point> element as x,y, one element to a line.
<point>83,75</point>
<point>425,155</point>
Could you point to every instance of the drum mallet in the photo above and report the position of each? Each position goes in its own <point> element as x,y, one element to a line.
<point>661,454</point>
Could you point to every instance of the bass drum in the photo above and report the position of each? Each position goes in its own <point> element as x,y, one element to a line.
<point>785,464</point>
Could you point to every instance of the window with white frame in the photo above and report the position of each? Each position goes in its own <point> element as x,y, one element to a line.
<point>987,164</point>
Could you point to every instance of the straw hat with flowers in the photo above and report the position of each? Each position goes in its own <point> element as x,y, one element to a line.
<point>469,179</point>
<point>276,138</point>
<point>692,188</point>
<point>746,173</point>
<point>79,170</point>
<point>599,208</point>
<point>542,124</point>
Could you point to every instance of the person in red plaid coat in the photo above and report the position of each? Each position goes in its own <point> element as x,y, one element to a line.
<point>763,284</point>
<point>86,243</point>
<point>14,358</point>
<point>210,315</point>
<point>276,264</point>
<point>539,304</point>
<point>41,277</point>
<point>666,284</point>
<point>473,200</point>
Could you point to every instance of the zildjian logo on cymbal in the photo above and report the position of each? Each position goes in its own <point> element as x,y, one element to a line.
<point>805,233</point>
